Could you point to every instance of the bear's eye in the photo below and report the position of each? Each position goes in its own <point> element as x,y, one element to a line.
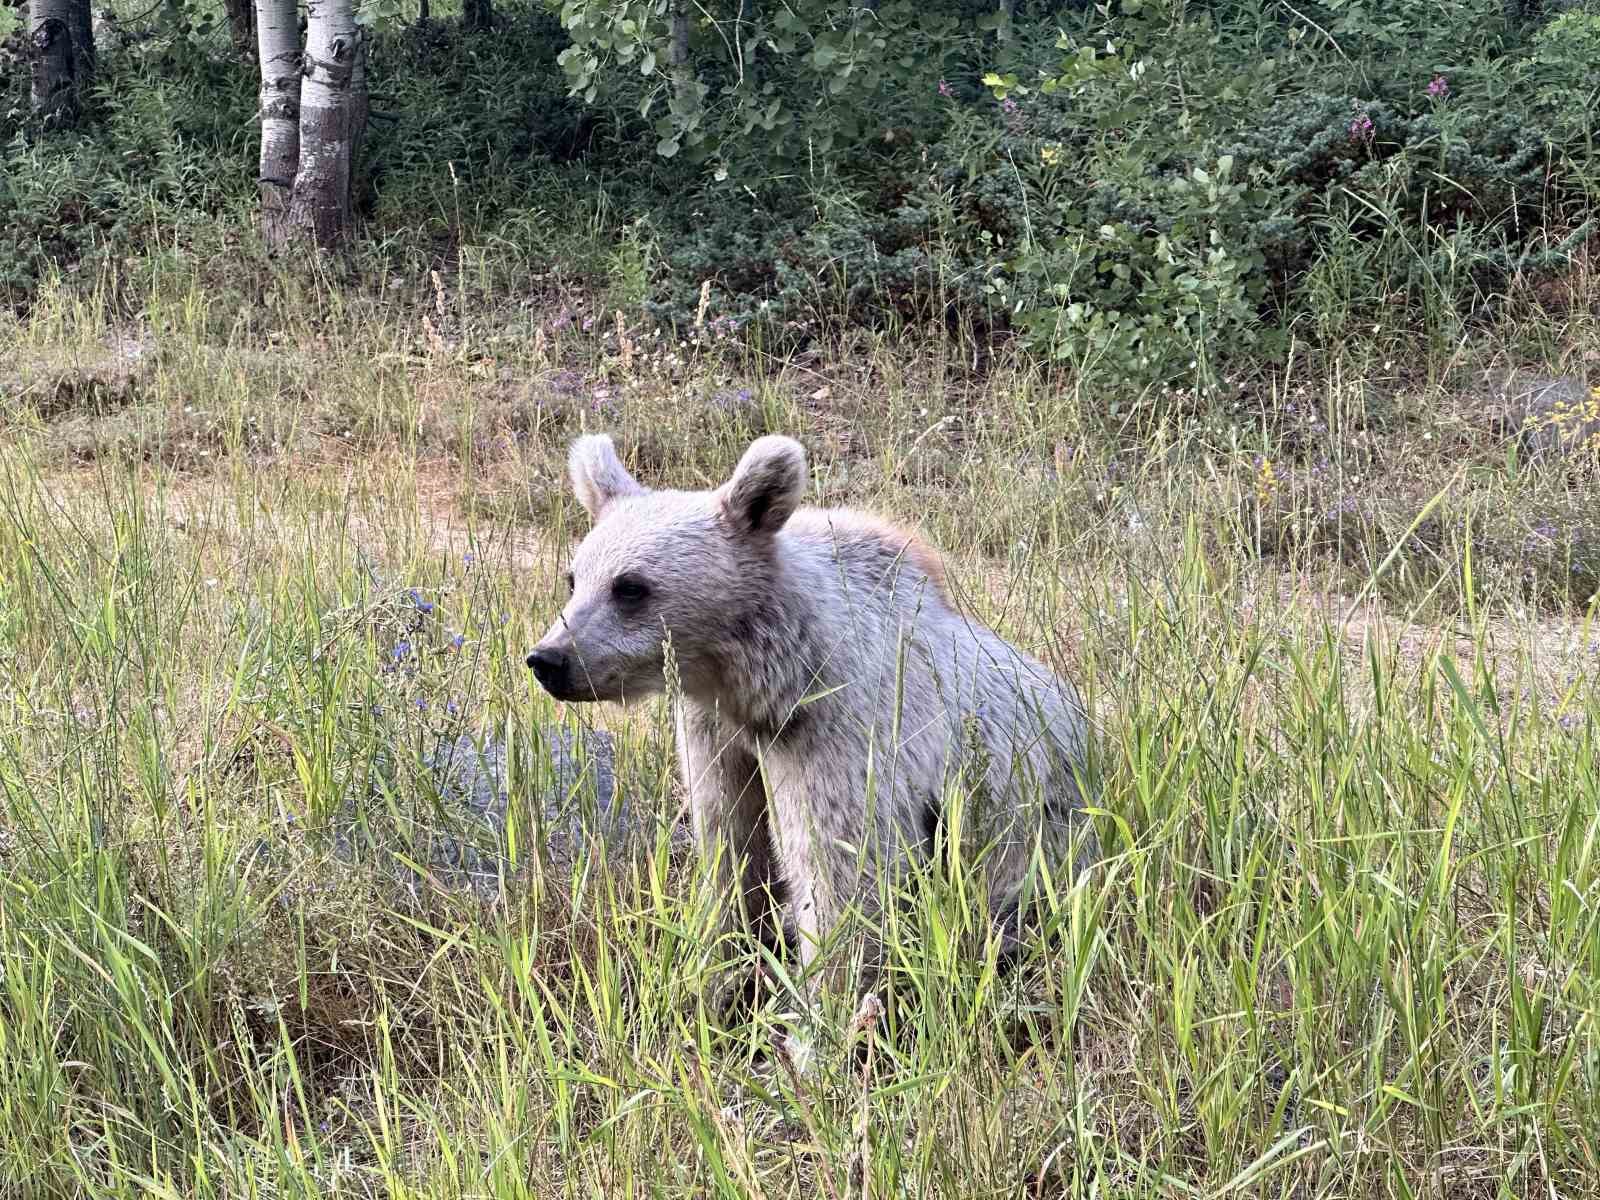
<point>572,584</point>
<point>629,589</point>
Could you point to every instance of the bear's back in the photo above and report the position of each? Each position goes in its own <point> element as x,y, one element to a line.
<point>867,552</point>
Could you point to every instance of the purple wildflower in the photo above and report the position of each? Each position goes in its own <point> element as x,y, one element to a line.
<point>1542,534</point>
<point>452,707</point>
<point>456,640</point>
<point>566,383</point>
<point>401,650</point>
<point>1439,88</point>
<point>422,703</point>
<point>422,606</point>
<point>728,399</point>
<point>468,558</point>
<point>1361,128</point>
<point>944,90</point>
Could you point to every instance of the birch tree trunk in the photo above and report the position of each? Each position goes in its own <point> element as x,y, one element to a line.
<point>242,23</point>
<point>50,30</point>
<point>332,120</point>
<point>278,45</point>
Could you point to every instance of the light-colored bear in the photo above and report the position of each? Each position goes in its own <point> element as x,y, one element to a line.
<point>831,693</point>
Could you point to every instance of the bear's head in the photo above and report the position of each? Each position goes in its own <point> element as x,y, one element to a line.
<point>696,568</point>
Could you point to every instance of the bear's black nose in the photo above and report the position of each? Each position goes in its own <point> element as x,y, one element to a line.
<point>549,668</point>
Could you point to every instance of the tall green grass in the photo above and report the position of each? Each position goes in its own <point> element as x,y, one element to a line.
<point>1343,941</point>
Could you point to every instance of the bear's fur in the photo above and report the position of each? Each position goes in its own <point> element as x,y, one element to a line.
<point>821,649</point>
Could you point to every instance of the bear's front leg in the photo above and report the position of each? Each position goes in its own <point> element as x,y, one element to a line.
<point>830,862</point>
<point>728,812</point>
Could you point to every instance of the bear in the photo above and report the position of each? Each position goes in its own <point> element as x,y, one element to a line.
<point>827,686</point>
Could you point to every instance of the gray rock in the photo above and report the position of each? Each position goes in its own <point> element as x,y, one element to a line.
<point>1550,415</point>
<point>444,822</point>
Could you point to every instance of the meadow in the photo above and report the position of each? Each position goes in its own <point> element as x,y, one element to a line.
<point>1342,943</point>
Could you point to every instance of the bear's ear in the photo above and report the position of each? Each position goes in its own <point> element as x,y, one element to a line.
<point>766,486</point>
<point>598,476</point>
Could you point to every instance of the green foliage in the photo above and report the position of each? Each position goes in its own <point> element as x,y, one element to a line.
<point>1375,35</point>
<point>1215,171</point>
<point>1146,190</point>
<point>795,79</point>
<point>170,137</point>
<point>1144,280</point>
<point>1565,71</point>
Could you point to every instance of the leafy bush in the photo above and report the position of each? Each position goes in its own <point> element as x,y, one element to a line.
<point>169,135</point>
<point>1215,169</point>
<point>1564,69</point>
<point>1161,197</point>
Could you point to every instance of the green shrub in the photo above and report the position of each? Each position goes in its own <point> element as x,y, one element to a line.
<point>1564,70</point>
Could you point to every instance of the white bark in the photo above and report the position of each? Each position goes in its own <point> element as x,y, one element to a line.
<point>332,118</point>
<point>278,44</point>
<point>50,28</point>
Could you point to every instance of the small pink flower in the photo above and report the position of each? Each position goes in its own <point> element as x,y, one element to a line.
<point>1439,88</point>
<point>944,90</point>
<point>1361,128</point>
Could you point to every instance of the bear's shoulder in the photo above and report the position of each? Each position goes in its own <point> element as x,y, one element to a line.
<point>867,542</point>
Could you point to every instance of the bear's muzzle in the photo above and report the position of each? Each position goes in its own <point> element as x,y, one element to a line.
<point>553,669</point>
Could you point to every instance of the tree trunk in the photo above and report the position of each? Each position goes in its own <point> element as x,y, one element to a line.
<point>332,117</point>
<point>678,59</point>
<point>80,21</point>
<point>242,23</point>
<point>360,108</point>
<point>1008,12</point>
<point>278,45</point>
<point>477,15</point>
<point>50,28</point>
